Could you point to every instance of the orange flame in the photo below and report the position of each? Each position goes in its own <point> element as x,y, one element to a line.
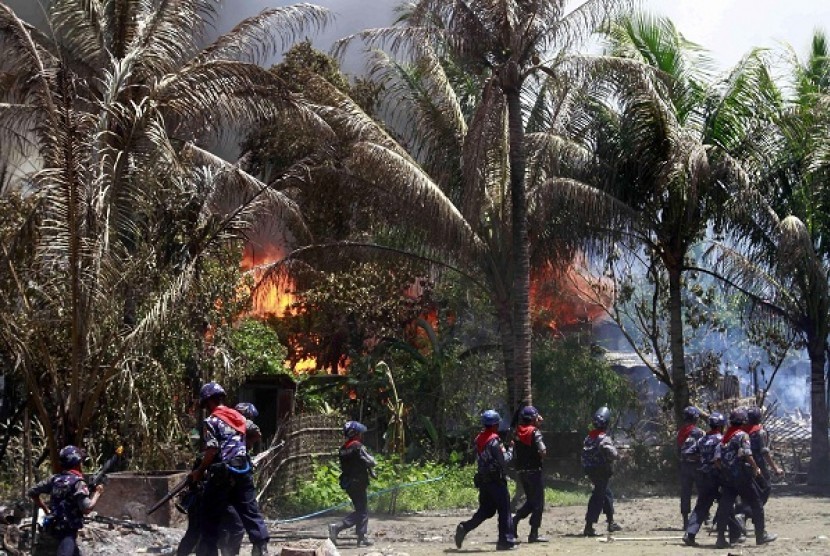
<point>564,297</point>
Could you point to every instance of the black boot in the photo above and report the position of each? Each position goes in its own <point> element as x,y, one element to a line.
<point>613,526</point>
<point>460,533</point>
<point>334,530</point>
<point>260,550</point>
<point>515,529</point>
<point>535,537</point>
<point>763,537</point>
<point>589,530</point>
<point>689,539</point>
<point>722,542</point>
<point>364,541</point>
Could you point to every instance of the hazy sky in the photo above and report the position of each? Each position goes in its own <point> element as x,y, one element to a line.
<point>729,28</point>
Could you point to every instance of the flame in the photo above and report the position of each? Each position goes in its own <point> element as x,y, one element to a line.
<point>269,299</point>
<point>564,297</point>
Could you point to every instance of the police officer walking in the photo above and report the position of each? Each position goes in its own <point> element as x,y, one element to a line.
<point>229,474</point>
<point>759,442</point>
<point>491,480</point>
<point>738,470</point>
<point>356,467</point>
<point>529,451</point>
<point>687,438</point>
<point>598,455</point>
<point>69,501</point>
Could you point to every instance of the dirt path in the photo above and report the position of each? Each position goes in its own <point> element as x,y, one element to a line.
<point>801,521</point>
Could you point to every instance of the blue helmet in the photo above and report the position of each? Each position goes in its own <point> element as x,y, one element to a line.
<point>210,390</point>
<point>717,420</point>
<point>353,429</point>
<point>602,417</point>
<point>490,418</point>
<point>691,414</point>
<point>247,409</point>
<point>754,415</point>
<point>737,416</point>
<point>528,414</point>
<point>70,456</point>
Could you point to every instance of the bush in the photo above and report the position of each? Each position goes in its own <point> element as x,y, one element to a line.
<point>420,487</point>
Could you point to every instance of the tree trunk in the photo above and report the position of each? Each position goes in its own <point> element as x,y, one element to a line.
<point>820,445</point>
<point>507,342</point>
<point>680,383</point>
<point>521,248</point>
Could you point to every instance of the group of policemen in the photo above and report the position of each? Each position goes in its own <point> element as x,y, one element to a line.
<point>725,465</point>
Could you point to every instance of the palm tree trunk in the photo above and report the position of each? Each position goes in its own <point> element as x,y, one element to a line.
<point>521,249</point>
<point>507,347</point>
<point>820,445</point>
<point>680,383</point>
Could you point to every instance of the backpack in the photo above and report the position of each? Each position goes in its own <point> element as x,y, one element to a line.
<point>592,455</point>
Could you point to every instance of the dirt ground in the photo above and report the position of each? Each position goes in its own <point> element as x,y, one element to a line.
<point>650,526</point>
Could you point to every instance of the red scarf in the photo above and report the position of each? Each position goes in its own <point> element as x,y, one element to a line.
<point>76,473</point>
<point>525,434</point>
<point>684,433</point>
<point>232,417</point>
<point>750,429</point>
<point>484,438</point>
<point>730,432</point>
<point>351,442</point>
<point>595,433</point>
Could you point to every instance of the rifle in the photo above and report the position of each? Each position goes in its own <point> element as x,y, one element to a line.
<point>173,492</point>
<point>100,476</point>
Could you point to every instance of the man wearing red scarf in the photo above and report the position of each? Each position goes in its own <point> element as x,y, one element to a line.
<point>529,452</point>
<point>598,455</point>
<point>356,466</point>
<point>738,470</point>
<point>491,480</point>
<point>759,441</point>
<point>687,438</point>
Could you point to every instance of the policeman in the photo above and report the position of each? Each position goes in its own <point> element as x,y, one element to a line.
<point>759,441</point>
<point>598,455</point>
<point>708,482</point>
<point>69,501</point>
<point>232,530</point>
<point>356,467</point>
<point>738,470</point>
<point>529,452</point>
<point>491,480</point>
<point>687,438</point>
<point>229,474</point>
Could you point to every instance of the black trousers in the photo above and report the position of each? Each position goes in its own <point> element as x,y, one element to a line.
<point>493,497</point>
<point>708,491</point>
<point>746,489</point>
<point>602,499</point>
<point>359,518</point>
<point>534,487</point>
<point>687,481</point>
<point>237,490</point>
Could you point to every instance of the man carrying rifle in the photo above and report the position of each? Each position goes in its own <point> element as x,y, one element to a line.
<point>69,501</point>
<point>228,472</point>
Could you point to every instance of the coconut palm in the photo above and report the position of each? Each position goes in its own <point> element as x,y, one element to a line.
<point>506,47</point>
<point>664,136</point>
<point>781,258</point>
<point>113,104</point>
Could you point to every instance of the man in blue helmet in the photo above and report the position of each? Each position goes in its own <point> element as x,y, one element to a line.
<point>69,501</point>
<point>228,472</point>
<point>530,450</point>
<point>708,482</point>
<point>738,472</point>
<point>356,467</point>
<point>491,479</point>
<point>687,438</point>
<point>598,456</point>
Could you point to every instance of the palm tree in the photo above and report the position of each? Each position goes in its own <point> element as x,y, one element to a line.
<point>781,259</point>
<point>126,206</point>
<point>663,138</point>
<point>507,47</point>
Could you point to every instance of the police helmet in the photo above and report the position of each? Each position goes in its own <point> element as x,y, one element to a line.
<point>490,418</point>
<point>602,417</point>
<point>247,409</point>
<point>737,416</point>
<point>753,415</point>
<point>210,390</point>
<point>717,420</point>
<point>528,414</point>
<point>70,457</point>
<point>691,414</point>
<point>353,429</point>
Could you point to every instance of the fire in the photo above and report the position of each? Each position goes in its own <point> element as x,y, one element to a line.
<point>562,298</point>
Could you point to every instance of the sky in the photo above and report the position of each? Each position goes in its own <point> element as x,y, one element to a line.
<point>728,28</point>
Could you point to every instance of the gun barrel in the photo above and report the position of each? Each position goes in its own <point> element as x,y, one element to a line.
<point>176,489</point>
